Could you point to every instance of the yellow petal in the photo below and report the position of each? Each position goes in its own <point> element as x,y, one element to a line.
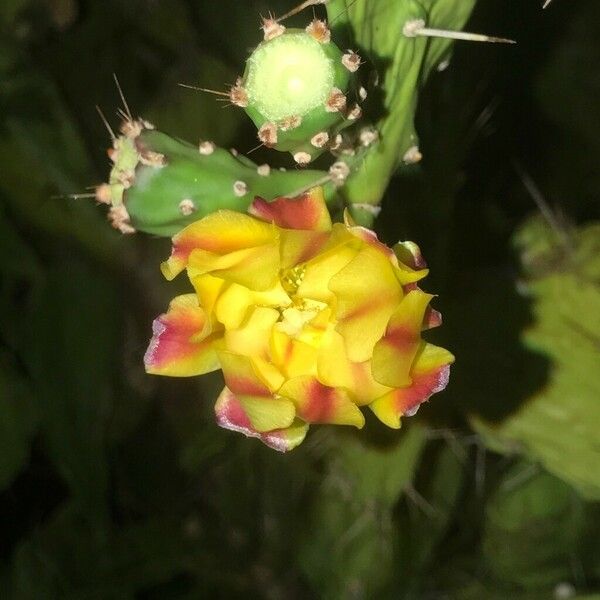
<point>293,357</point>
<point>394,353</point>
<point>264,410</point>
<point>430,374</point>
<point>318,403</point>
<point>253,336</point>
<point>208,289</point>
<point>335,370</point>
<point>179,348</point>
<point>235,301</point>
<point>367,293</point>
<point>256,268</point>
<point>220,233</point>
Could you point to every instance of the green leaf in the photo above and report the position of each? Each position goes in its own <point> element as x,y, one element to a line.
<point>559,425</point>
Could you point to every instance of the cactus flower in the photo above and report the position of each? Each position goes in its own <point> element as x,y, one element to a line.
<point>310,321</point>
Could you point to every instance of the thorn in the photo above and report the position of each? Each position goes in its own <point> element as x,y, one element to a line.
<point>354,113</point>
<point>291,122</point>
<point>255,148</point>
<point>320,139</point>
<point>201,89</point>
<point>113,137</point>
<point>240,188</point>
<point>238,95</point>
<point>125,105</point>
<point>412,156</point>
<point>300,8</point>
<point>368,136</point>
<point>544,208</point>
<point>351,60</point>
<point>318,29</point>
<point>206,148</point>
<point>336,101</point>
<point>339,172</point>
<point>546,3</point>
<point>302,158</point>
<point>271,29</point>
<point>187,207</point>
<point>331,21</point>
<point>119,219</point>
<point>103,194</point>
<point>73,196</point>
<point>267,134</point>
<point>416,27</point>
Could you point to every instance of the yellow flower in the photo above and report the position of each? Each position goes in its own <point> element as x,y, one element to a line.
<point>309,321</point>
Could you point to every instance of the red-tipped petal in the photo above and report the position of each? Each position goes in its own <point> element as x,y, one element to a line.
<point>429,376</point>
<point>219,233</point>
<point>318,403</point>
<point>307,211</point>
<point>394,353</point>
<point>230,414</point>
<point>179,346</point>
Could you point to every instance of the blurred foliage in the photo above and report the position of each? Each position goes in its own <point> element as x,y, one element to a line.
<point>114,484</point>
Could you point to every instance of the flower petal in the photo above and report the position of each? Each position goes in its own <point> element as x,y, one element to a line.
<point>221,232</point>
<point>255,268</point>
<point>293,357</point>
<point>252,337</point>
<point>318,403</point>
<point>208,290</point>
<point>300,246</point>
<point>307,211</point>
<point>179,347</point>
<point>367,293</point>
<point>235,301</point>
<point>253,392</point>
<point>394,353</point>
<point>430,375</point>
<point>335,370</point>
<point>231,415</point>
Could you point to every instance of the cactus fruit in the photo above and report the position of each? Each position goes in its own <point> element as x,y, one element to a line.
<point>159,184</point>
<point>297,89</point>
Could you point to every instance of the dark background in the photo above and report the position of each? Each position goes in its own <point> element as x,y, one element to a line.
<point>115,484</point>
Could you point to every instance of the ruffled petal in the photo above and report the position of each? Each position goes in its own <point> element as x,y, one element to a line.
<point>307,211</point>
<point>179,346</point>
<point>221,232</point>
<point>230,414</point>
<point>298,247</point>
<point>394,353</point>
<point>335,370</point>
<point>256,268</point>
<point>430,375</point>
<point>318,403</point>
<point>252,337</point>
<point>265,411</point>
<point>208,290</point>
<point>293,357</point>
<point>235,300</point>
<point>367,293</point>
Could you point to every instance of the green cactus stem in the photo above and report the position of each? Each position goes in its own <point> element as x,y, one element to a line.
<point>297,89</point>
<point>159,185</point>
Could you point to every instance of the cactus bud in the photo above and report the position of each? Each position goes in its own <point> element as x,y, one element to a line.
<point>296,85</point>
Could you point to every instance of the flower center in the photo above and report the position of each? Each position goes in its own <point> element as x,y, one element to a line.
<point>292,278</point>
